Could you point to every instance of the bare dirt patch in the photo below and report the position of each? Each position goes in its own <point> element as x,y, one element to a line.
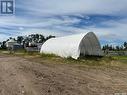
<point>22,76</point>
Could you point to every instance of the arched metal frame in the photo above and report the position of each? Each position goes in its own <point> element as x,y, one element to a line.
<point>90,45</point>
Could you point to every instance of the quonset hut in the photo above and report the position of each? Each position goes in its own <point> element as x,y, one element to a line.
<point>73,46</point>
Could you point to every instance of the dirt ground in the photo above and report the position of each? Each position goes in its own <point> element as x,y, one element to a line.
<point>20,76</point>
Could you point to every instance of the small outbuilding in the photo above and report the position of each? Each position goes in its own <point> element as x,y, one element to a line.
<point>73,46</point>
<point>12,45</point>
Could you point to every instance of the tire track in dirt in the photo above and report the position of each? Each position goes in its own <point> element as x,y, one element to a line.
<point>19,76</point>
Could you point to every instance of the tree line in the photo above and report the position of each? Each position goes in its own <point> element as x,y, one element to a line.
<point>115,48</point>
<point>25,40</point>
<point>39,38</point>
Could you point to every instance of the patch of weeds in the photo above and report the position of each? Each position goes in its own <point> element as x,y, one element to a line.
<point>120,57</point>
<point>71,60</point>
<point>107,59</point>
<point>31,53</point>
<point>20,51</point>
<point>43,55</point>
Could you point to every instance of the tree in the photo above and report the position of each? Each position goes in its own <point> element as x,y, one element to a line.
<point>103,48</point>
<point>19,39</point>
<point>41,39</point>
<point>117,48</point>
<point>110,47</point>
<point>125,45</point>
<point>49,37</point>
<point>3,45</point>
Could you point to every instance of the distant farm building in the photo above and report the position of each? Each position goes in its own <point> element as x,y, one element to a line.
<point>10,43</point>
<point>73,46</point>
<point>33,46</point>
<point>13,45</point>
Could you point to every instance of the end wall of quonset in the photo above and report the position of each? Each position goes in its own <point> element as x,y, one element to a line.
<point>90,45</point>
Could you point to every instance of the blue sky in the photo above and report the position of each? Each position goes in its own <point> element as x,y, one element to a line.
<point>106,18</point>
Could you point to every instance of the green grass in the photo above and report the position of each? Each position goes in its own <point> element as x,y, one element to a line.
<point>88,60</point>
<point>115,62</point>
<point>48,55</point>
<point>91,61</point>
<point>120,57</point>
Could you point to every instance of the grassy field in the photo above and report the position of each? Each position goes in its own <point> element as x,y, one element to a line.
<point>86,60</point>
<point>114,62</point>
<point>120,57</point>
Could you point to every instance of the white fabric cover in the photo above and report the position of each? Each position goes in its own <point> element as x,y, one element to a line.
<point>72,46</point>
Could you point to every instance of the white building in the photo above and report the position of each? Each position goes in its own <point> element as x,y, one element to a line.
<point>10,43</point>
<point>73,46</point>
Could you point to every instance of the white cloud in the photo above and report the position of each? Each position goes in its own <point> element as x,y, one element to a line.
<point>57,7</point>
<point>37,16</point>
<point>45,32</point>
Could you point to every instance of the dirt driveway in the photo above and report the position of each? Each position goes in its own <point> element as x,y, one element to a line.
<point>19,76</point>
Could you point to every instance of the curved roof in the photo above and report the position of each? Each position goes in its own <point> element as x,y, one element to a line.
<point>73,46</point>
<point>11,40</point>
